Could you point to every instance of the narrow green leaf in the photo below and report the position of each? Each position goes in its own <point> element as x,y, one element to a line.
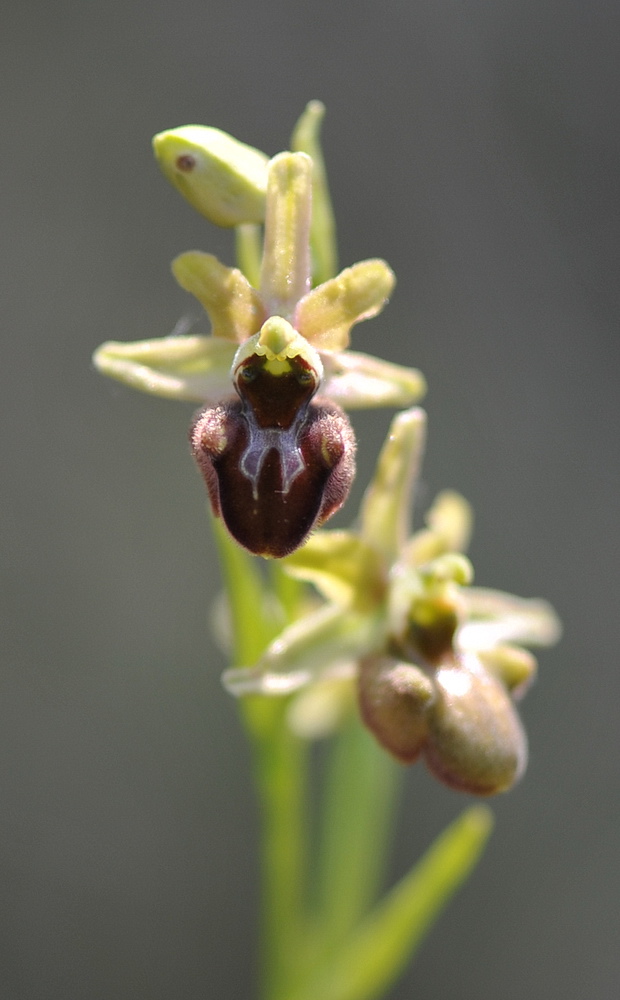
<point>381,946</point>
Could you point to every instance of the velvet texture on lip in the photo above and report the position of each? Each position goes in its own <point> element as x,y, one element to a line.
<point>276,462</point>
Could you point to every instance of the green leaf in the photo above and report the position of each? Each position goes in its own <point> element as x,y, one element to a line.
<point>379,949</point>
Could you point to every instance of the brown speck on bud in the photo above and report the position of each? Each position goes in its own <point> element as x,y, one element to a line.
<point>185,163</point>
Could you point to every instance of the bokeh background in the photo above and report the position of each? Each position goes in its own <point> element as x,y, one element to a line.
<point>476,147</point>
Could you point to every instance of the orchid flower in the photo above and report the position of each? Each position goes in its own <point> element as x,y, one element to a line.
<point>277,462</point>
<point>437,663</point>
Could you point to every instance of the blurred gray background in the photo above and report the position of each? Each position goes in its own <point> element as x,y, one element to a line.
<point>476,147</point>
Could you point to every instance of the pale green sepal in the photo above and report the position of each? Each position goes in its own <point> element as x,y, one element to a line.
<point>233,306</point>
<point>306,650</point>
<point>494,618</point>
<point>285,275</point>
<point>326,314</point>
<point>222,178</point>
<point>373,956</point>
<point>192,368</point>
<point>321,708</point>
<point>355,381</point>
<point>305,139</point>
<point>342,567</point>
<point>388,502</point>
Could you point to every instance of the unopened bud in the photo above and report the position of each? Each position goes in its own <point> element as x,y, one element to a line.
<point>222,178</point>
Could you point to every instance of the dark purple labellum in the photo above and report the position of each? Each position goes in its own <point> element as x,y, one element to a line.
<point>276,463</point>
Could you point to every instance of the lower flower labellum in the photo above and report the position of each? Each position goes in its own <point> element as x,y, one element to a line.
<point>277,463</point>
<point>458,716</point>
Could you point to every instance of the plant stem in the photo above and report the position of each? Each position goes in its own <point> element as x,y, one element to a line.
<point>281,779</point>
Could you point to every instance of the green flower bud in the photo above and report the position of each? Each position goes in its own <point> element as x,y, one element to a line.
<point>222,178</point>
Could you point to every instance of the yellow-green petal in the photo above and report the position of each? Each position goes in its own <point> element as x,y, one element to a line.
<point>233,306</point>
<point>515,666</point>
<point>326,314</point>
<point>222,178</point>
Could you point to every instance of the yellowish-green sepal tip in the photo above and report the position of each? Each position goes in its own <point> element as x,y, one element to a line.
<point>222,178</point>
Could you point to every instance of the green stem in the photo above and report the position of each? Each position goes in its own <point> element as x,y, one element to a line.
<point>281,765</point>
<point>280,761</point>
